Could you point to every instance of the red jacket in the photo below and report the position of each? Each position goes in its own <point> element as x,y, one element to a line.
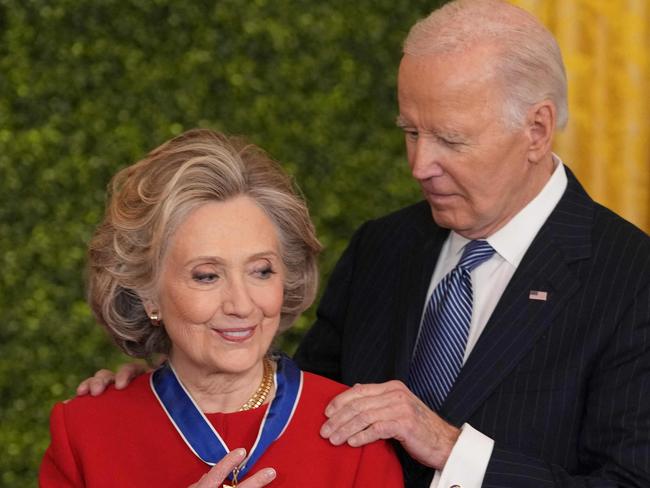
<point>123,438</point>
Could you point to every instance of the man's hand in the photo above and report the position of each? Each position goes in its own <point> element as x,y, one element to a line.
<point>365,413</point>
<point>221,470</point>
<point>102,378</point>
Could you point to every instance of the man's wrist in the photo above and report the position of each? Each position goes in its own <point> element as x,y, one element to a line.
<point>468,460</point>
<point>447,443</point>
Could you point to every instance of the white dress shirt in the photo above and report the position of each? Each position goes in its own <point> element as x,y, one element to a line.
<point>469,458</point>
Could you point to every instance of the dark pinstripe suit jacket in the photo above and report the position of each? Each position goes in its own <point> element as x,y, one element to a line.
<point>562,385</point>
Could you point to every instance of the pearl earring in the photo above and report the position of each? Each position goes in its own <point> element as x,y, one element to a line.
<point>154,317</point>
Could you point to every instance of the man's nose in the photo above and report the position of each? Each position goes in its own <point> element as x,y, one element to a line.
<point>425,159</point>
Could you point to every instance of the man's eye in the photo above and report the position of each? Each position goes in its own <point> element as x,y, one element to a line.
<point>449,142</point>
<point>205,277</point>
<point>411,134</point>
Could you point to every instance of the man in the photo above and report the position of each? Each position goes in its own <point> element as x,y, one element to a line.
<point>554,347</point>
<point>556,363</point>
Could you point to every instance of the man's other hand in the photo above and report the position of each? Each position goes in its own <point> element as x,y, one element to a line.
<point>365,413</point>
<point>96,384</point>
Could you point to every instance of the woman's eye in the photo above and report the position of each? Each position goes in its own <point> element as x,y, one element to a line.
<point>205,277</point>
<point>264,273</point>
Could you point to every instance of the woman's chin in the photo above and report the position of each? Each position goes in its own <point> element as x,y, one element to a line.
<point>237,362</point>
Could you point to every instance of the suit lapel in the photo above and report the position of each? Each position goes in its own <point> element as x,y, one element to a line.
<point>518,321</point>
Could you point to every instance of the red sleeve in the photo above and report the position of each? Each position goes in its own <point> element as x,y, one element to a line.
<point>59,468</point>
<point>379,466</point>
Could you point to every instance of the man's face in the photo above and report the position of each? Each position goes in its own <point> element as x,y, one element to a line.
<point>473,170</point>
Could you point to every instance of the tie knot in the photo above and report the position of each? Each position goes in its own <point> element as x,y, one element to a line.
<point>474,254</point>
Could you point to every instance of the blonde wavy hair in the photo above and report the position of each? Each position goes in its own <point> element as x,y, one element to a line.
<point>147,203</point>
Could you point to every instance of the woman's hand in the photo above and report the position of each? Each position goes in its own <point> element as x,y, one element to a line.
<point>96,384</point>
<point>220,471</point>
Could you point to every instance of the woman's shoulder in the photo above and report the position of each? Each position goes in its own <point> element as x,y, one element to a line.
<point>135,396</point>
<point>374,464</point>
<point>320,389</point>
<point>109,419</point>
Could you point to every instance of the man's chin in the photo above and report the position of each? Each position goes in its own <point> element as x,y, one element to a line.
<point>445,218</point>
<point>458,223</point>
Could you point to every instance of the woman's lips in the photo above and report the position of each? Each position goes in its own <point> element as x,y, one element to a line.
<point>236,334</point>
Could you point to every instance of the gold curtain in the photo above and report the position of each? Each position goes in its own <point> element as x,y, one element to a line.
<point>607,141</point>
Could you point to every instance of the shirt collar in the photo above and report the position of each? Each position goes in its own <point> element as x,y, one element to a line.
<point>513,239</point>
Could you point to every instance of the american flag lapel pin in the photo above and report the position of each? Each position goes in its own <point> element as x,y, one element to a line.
<point>538,295</point>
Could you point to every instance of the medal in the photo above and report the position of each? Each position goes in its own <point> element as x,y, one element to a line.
<point>235,473</point>
<point>199,434</point>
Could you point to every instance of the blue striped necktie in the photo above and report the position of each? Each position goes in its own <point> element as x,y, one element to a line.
<point>445,327</point>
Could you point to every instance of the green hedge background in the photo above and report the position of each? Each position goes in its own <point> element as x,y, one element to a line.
<point>88,86</point>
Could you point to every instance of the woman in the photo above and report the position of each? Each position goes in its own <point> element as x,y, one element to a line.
<point>204,255</point>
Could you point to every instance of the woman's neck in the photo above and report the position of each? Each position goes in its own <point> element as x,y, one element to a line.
<point>219,391</point>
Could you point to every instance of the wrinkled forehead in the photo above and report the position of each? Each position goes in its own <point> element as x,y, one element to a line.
<point>447,74</point>
<point>474,61</point>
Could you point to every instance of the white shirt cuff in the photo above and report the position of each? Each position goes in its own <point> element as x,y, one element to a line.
<point>467,463</point>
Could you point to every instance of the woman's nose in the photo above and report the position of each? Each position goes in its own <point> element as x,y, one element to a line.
<point>236,299</point>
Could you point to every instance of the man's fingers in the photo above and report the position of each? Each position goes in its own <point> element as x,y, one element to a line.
<point>96,384</point>
<point>366,405</point>
<point>127,372</point>
<point>386,411</point>
<point>385,429</point>
<point>355,416</point>
<point>356,392</point>
<point>83,388</point>
<point>341,400</point>
<point>344,431</point>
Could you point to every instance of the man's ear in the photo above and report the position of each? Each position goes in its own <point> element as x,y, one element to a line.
<point>541,120</point>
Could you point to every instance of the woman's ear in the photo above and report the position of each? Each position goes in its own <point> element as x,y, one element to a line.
<point>153,312</point>
<point>540,127</point>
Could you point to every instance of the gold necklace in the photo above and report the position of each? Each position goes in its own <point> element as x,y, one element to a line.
<point>263,390</point>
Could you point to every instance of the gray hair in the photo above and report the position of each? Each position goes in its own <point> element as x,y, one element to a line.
<point>528,59</point>
<point>151,198</point>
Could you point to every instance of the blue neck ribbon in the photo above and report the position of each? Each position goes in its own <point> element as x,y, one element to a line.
<point>199,434</point>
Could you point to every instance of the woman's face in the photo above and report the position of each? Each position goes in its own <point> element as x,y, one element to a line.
<point>221,288</point>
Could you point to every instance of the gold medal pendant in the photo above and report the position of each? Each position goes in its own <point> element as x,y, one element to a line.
<point>235,472</point>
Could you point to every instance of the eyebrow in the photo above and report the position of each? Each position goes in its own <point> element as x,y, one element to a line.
<point>219,260</point>
<point>401,122</point>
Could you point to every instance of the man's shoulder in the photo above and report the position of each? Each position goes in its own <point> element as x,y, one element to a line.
<point>414,220</point>
<point>609,225</point>
<point>577,208</point>
<point>414,214</point>
<point>619,244</point>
